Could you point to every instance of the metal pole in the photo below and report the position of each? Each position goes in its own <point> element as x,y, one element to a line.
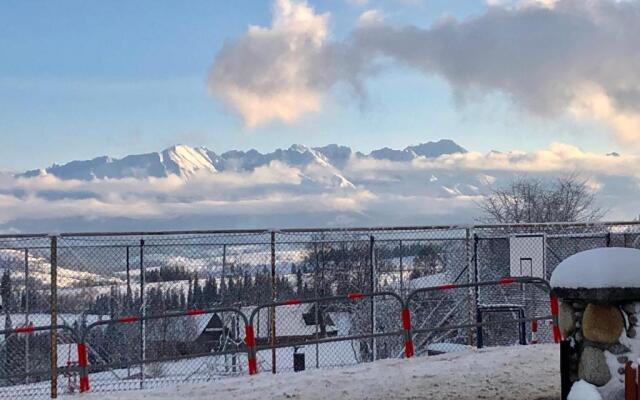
<point>372,290</point>
<point>401,273</point>
<point>128,301</point>
<point>224,269</point>
<point>26,312</point>
<point>476,292</point>
<point>222,300</point>
<point>480,334</point>
<point>143,342</point>
<point>54,316</point>
<point>315,273</point>
<point>128,280</point>
<point>469,259</point>
<point>274,299</point>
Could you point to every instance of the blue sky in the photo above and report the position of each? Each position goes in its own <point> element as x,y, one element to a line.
<point>79,79</point>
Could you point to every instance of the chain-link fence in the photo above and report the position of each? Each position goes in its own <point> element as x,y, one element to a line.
<point>87,281</point>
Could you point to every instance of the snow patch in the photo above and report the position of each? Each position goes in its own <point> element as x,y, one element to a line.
<point>582,390</point>
<point>608,267</point>
<point>496,373</point>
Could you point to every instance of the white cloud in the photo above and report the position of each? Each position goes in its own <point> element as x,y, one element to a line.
<point>557,158</point>
<point>273,73</point>
<point>370,17</point>
<point>553,58</point>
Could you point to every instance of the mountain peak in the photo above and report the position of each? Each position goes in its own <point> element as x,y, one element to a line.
<point>436,149</point>
<point>185,161</point>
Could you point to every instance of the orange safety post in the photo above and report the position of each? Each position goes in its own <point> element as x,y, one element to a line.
<point>557,336</point>
<point>83,362</point>
<point>406,327</point>
<point>250,339</point>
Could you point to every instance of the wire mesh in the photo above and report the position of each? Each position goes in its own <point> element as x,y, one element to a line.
<point>108,276</point>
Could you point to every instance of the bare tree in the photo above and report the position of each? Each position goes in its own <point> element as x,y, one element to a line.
<point>565,199</point>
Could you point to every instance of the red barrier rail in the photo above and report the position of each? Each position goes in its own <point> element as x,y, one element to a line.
<point>32,329</point>
<point>83,359</point>
<point>404,323</point>
<point>504,281</point>
<point>128,320</point>
<point>35,374</point>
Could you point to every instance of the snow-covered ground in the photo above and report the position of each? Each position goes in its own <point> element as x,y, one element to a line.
<point>518,373</point>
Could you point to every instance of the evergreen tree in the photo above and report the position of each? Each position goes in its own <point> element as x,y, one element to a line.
<point>5,291</point>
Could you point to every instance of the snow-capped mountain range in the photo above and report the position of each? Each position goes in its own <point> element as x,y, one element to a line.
<point>185,161</point>
<point>186,187</point>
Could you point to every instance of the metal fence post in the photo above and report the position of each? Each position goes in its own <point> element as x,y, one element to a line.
<point>129,295</point>
<point>315,294</point>
<point>26,312</point>
<point>402,291</point>
<point>143,342</point>
<point>372,290</point>
<point>54,316</point>
<point>469,256</point>
<point>476,291</point>
<point>274,295</point>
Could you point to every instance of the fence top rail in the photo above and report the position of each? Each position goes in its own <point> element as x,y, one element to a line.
<point>556,224</point>
<point>165,233</point>
<point>27,329</point>
<point>326,230</point>
<point>187,313</point>
<point>24,235</point>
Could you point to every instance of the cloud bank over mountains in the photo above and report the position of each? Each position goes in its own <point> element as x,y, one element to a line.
<point>195,188</point>
<point>553,59</point>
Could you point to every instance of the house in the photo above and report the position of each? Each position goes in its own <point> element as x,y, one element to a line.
<point>188,334</point>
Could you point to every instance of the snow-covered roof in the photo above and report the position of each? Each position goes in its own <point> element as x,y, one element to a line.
<point>607,267</point>
<point>428,281</point>
<point>179,329</point>
<point>289,321</point>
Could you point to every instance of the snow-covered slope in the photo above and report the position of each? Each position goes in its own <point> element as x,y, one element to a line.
<point>178,160</point>
<point>40,270</point>
<point>513,373</point>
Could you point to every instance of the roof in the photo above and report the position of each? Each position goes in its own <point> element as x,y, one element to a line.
<point>428,281</point>
<point>179,329</point>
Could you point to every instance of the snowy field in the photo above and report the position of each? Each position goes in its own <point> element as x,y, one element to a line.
<point>517,373</point>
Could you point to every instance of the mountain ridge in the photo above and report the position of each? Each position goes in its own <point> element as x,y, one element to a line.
<point>185,161</point>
